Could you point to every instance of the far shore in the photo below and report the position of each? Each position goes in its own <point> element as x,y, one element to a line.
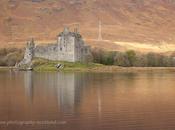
<point>105,69</point>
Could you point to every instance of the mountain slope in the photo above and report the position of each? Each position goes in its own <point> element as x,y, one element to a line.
<point>142,21</point>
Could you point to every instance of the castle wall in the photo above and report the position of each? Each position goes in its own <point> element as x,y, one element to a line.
<point>69,47</point>
<point>63,50</point>
<point>81,50</point>
<point>72,50</point>
<point>47,52</point>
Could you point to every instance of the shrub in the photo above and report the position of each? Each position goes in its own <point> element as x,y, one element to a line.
<point>121,59</point>
<point>131,56</point>
<point>10,56</point>
<point>103,57</point>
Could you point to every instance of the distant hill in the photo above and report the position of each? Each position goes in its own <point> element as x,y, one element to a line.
<point>134,21</point>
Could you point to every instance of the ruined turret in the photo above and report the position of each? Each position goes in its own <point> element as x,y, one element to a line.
<point>29,53</point>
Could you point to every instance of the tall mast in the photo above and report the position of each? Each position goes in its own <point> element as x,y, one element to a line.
<point>100,31</point>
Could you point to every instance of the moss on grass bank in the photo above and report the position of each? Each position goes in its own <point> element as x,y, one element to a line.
<point>46,65</point>
<point>42,65</point>
<point>4,68</point>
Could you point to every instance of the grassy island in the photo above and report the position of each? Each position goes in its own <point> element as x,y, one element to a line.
<point>42,65</point>
<point>46,65</point>
<point>103,61</point>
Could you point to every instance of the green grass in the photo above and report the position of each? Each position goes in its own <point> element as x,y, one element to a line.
<point>4,68</point>
<point>46,65</point>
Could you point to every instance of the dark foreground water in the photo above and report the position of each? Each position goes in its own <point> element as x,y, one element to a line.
<point>87,101</point>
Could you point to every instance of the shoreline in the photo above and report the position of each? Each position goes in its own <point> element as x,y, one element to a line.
<point>101,69</point>
<point>115,69</point>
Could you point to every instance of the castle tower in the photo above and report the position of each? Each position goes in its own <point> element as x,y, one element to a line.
<point>29,53</point>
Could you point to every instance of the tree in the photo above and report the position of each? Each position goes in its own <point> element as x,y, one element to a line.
<point>151,60</point>
<point>121,60</point>
<point>131,57</point>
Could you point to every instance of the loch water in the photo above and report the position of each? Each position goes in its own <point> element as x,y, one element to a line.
<point>87,101</point>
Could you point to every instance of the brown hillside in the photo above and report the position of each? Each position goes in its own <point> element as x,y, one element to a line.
<point>134,21</point>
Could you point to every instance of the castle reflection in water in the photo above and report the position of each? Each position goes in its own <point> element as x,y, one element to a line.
<point>67,87</point>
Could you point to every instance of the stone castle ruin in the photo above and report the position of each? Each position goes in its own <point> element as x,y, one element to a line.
<point>69,47</point>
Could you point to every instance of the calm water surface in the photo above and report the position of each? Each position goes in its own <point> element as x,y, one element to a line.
<point>87,101</point>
